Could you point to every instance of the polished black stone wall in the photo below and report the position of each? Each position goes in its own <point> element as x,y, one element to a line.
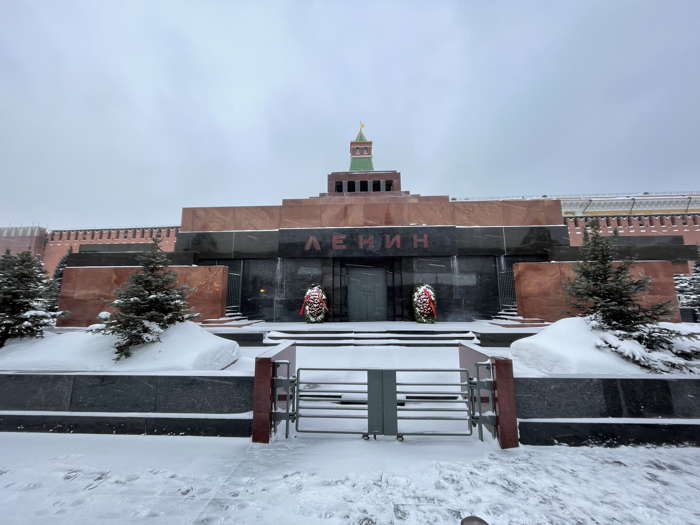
<point>466,287</point>
<point>551,397</point>
<point>651,251</point>
<point>556,410</point>
<point>375,242</point>
<point>259,285</point>
<point>124,258</point>
<point>125,393</point>
<point>461,263</point>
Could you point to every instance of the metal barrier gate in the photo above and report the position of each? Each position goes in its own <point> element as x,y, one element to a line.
<point>387,402</point>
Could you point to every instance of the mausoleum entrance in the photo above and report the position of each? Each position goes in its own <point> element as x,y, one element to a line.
<point>367,295</point>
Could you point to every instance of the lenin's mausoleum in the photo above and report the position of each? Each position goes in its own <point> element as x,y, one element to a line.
<point>368,241</point>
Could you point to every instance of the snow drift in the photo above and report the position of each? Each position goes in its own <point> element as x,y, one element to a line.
<point>184,346</point>
<point>569,346</point>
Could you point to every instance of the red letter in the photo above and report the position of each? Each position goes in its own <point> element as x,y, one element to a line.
<point>338,241</point>
<point>423,241</point>
<point>312,243</point>
<point>391,242</point>
<point>362,241</point>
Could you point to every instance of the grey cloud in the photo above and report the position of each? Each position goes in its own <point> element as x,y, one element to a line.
<point>120,113</point>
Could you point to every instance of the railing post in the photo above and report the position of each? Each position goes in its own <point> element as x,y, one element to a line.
<point>265,392</point>
<point>506,417</point>
<point>262,399</point>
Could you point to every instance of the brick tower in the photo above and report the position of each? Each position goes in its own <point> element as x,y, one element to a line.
<point>362,178</point>
<point>361,153</point>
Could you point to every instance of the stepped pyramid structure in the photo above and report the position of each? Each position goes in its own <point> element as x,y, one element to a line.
<point>368,242</point>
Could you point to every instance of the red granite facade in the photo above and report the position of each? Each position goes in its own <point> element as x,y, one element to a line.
<point>540,287</point>
<point>87,291</point>
<point>373,210</point>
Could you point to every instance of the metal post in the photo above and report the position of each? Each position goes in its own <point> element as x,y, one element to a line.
<point>389,401</point>
<point>375,423</point>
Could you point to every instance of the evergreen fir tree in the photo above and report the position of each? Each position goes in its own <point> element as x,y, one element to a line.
<point>148,303</point>
<point>606,291</point>
<point>54,288</point>
<point>23,303</point>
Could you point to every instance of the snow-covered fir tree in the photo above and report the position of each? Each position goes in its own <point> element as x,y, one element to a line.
<point>606,293</point>
<point>147,304</point>
<point>23,303</point>
<point>54,287</point>
<point>688,287</point>
<point>606,290</point>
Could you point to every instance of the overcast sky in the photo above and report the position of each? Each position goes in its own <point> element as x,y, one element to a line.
<point>117,113</point>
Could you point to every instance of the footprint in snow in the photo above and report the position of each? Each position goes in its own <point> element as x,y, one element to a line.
<point>97,481</point>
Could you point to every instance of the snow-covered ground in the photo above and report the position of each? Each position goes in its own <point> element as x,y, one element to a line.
<point>184,346</point>
<point>68,479</point>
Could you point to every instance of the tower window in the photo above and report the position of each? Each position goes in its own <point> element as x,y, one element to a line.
<point>388,184</point>
<point>351,186</point>
<point>338,186</point>
<point>363,185</point>
<point>376,185</point>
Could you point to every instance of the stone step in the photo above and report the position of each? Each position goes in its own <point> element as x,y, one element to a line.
<point>372,333</point>
<point>379,342</point>
<point>408,338</point>
<point>223,320</point>
<point>152,423</point>
<point>370,337</point>
<point>518,319</point>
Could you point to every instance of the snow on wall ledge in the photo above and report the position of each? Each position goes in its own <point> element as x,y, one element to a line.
<point>87,291</point>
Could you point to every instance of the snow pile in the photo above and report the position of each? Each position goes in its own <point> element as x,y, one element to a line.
<point>569,346</point>
<point>576,346</point>
<point>184,346</point>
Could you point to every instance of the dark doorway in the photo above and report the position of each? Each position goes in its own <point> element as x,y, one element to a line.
<point>367,294</point>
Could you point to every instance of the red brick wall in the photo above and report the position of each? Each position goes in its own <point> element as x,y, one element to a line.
<point>22,239</point>
<point>540,287</point>
<point>686,225</point>
<point>60,240</point>
<point>85,292</point>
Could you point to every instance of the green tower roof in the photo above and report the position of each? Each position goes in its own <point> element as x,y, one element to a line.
<point>364,162</point>
<point>361,164</point>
